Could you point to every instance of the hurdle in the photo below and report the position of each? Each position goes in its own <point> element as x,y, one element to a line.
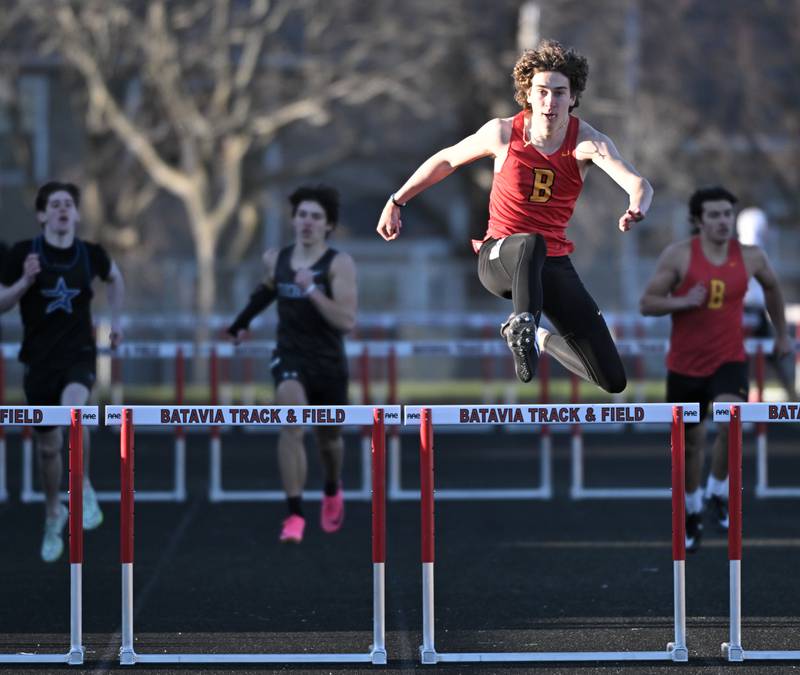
<point>471,348</point>
<point>377,417</point>
<point>735,414</point>
<point>675,414</point>
<point>129,350</point>
<point>763,488</point>
<point>216,491</point>
<point>75,418</point>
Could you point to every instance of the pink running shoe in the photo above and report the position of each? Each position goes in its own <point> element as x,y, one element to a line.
<point>332,515</point>
<point>293,528</point>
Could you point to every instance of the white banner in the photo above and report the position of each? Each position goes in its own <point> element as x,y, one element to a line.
<point>560,413</point>
<point>252,415</point>
<point>47,415</point>
<point>759,412</point>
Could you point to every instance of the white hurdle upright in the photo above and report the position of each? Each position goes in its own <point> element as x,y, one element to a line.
<point>735,414</point>
<point>537,414</point>
<point>75,418</point>
<point>376,416</point>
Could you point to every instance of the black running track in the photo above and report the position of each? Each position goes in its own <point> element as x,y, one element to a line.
<point>514,576</point>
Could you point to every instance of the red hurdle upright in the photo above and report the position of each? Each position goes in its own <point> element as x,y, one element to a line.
<point>254,415</point>
<point>75,417</point>
<point>553,414</point>
<point>735,414</point>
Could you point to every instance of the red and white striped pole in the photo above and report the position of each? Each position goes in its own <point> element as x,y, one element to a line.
<point>76,651</point>
<point>378,651</point>
<point>733,648</point>
<point>428,651</point>
<point>126,652</point>
<point>678,449</point>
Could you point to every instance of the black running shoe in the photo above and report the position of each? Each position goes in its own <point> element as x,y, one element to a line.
<point>694,531</point>
<point>718,508</point>
<point>520,334</point>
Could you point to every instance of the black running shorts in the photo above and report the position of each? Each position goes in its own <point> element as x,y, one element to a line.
<point>321,389</point>
<point>44,386</point>
<point>729,378</point>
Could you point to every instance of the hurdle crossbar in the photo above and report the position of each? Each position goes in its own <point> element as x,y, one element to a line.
<point>75,417</point>
<point>735,414</point>
<point>537,414</point>
<point>218,493</point>
<point>133,350</point>
<point>216,416</point>
<point>763,488</point>
<point>543,491</point>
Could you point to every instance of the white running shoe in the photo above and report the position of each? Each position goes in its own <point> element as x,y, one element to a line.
<point>92,515</point>
<point>52,542</point>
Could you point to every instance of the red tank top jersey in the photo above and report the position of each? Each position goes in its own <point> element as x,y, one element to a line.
<point>705,337</point>
<point>534,192</point>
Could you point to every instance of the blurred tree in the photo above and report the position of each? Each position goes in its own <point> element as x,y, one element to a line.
<point>180,95</point>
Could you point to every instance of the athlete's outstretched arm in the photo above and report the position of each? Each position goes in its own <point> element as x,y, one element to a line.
<point>260,298</point>
<point>657,299</point>
<point>600,150</point>
<point>116,298</point>
<point>10,295</point>
<point>485,142</point>
<point>339,310</point>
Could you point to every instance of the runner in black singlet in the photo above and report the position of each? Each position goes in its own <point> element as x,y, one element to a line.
<point>51,279</point>
<point>316,292</point>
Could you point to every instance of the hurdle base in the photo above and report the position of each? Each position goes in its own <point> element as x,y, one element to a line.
<point>511,657</point>
<point>24,657</point>
<point>127,657</point>
<point>732,652</point>
<point>678,653</point>
<point>428,656</point>
<point>75,656</point>
<point>378,656</point>
<point>243,658</point>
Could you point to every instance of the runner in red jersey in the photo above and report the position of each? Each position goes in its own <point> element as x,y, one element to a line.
<point>541,156</point>
<point>702,282</point>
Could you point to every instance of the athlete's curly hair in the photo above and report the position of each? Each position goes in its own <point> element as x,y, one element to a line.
<point>550,56</point>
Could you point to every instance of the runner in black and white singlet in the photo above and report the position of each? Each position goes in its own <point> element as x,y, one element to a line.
<point>305,337</point>
<point>316,291</point>
<point>50,277</point>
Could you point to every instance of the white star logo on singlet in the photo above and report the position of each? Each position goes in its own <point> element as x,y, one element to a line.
<point>63,297</point>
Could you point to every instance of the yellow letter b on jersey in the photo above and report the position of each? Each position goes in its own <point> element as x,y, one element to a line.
<point>542,185</point>
<point>716,293</point>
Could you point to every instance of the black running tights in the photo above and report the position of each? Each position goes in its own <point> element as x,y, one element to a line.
<point>517,268</point>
